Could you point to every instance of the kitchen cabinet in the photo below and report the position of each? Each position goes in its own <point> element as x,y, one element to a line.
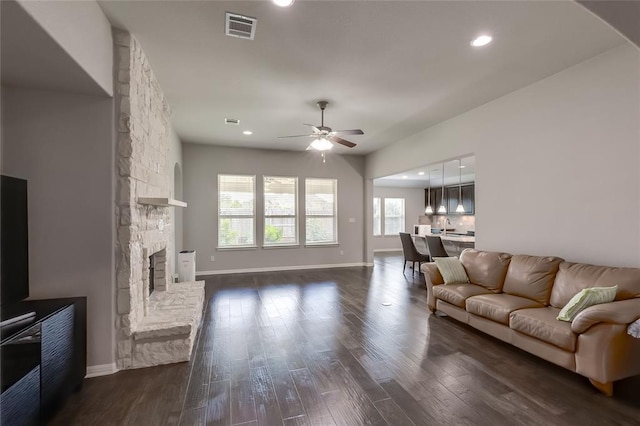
<point>452,199</point>
<point>436,198</point>
<point>469,198</point>
<point>451,194</point>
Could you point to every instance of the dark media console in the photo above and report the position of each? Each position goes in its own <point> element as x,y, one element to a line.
<point>42,358</point>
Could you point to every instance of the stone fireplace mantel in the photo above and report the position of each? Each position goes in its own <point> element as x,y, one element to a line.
<point>161,202</point>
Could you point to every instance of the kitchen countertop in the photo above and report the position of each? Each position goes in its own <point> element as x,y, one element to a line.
<point>459,238</point>
<point>456,237</point>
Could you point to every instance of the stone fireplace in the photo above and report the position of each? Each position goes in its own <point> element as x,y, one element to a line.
<point>157,320</point>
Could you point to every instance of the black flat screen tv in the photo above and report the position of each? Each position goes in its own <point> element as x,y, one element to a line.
<point>14,233</point>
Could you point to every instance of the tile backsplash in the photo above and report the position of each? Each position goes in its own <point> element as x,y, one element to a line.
<point>462,223</point>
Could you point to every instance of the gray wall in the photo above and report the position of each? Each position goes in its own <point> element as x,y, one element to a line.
<point>82,30</point>
<point>413,207</point>
<point>202,164</point>
<point>623,15</point>
<point>63,144</point>
<point>557,162</point>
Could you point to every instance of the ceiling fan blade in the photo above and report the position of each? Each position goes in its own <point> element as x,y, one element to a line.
<point>298,136</point>
<point>315,129</point>
<point>342,141</point>
<point>349,132</point>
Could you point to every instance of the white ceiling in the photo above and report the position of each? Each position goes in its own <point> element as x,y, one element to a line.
<point>391,68</point>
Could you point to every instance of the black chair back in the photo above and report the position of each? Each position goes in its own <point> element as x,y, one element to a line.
<point>436,249</point>
<point>411,254</point>
<point>409,250</point>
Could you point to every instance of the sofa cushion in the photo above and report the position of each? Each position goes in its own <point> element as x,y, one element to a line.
<point>451,270</point>
<point>542,324</point>
<point>486,268</point>
<point>497,307</point>
<point>456,294</point>
<point>531,277</point>
<point>573,277</point>
<point>585,298</point>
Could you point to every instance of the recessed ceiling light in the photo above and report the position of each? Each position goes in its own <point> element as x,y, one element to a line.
<point>405,177</point>
<point>421,173</point>
<point>283,3</point>
<point>247,132</point>
<point>462,167</point>
<point>482,40</point>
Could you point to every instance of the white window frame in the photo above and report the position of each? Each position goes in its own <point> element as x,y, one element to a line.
<point>268,216</point>
<point>334,215</point>
<point>379,218</point>
<point>384,216</point>
<point>221,216</point>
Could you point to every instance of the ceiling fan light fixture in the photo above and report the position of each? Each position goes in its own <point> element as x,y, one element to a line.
<point>321,144</point>
<point>327,134</point>
<point>481,40</point>
<point>283,3</point>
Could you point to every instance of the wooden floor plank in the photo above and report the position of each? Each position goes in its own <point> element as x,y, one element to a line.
<point>285,389</point>
<point>392,413</point>
<point>267,408</point>
<point>408,404</point>
<point>347,410</point>
<point>218,410</point>
<point>243,407</point>
<point>372,389</point>
<point>310,397</point>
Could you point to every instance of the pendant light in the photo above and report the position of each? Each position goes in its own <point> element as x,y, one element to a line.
<point>442,209</point>
<point>460,208</point>
<point>429,209</point>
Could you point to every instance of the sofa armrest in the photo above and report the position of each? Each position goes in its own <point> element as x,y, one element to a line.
<point>618,312</point>
<point>432,277</point>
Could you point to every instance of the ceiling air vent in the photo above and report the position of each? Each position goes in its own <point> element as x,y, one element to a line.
<point>240,26</point>
<point>232,121</point>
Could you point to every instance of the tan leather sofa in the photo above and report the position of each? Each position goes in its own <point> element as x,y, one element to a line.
<point>517,298</point>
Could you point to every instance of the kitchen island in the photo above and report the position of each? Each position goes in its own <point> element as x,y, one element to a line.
<point>455,243</point>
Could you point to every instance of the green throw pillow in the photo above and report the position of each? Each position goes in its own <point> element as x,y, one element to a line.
<point>585,298</point>
<point>451,270</point>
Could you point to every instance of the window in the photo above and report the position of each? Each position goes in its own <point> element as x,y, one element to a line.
<point>393,216</point>
<point>377,219</point>
<point>280,211</point>
<point>236,211</point>
<point>321,211</point>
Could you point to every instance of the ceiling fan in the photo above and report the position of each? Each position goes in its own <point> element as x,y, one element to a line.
<point>324,136</point>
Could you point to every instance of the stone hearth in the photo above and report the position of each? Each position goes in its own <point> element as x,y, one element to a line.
<point>168,332</point>
<point>156,328</point>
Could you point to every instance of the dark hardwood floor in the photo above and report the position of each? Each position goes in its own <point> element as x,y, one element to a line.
<point>319,347</point>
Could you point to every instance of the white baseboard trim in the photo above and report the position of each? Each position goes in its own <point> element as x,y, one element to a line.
<point>280,268</point>
<point>383,250</point>
<point>101,370</point>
